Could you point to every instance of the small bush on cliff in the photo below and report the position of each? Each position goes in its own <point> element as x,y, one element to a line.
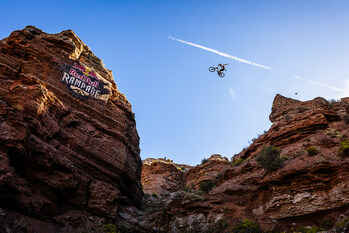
<point>207,186</point>
<point>344,148</point>
<point>194,197</point>
<point>302,109</point>
<point>220,174</point>
<point>327,224</point>
<point>238,162</point>
<point>334,133</point>
<point>110,228</point>
<point>342,225</point>
<point>312,150</point>
<point>269,158</point>
<point>217,227</point>
<point>146,195</point>
<point>246,226</point>
<point>187,189</point>
<point>148,210</point>
<point>204,161</point>
<point>345,118</point>
<point>21,225</point>
<point>312,229</point>
<point>154,194</point>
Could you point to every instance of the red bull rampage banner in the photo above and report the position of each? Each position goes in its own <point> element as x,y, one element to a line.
<point>83,82</point>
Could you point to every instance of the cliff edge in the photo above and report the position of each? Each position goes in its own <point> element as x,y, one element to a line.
<point>69,148</point>
<point>302,179</point>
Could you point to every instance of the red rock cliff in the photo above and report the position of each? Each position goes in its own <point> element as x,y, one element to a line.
<point>67,143</point>
<point>311,188</point>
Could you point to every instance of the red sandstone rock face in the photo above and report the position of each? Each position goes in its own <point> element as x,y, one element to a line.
<point>209,171</point>
<point>306,191</point>
<point>161,178</point>
<point>60,152</point>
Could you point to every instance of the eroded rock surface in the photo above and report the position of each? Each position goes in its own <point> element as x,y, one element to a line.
<point>160,177</point>
<point>308,190</point>
<point>62,154</point>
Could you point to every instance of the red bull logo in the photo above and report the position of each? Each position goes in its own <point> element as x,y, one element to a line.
<point>91,73</point>
<point>85,71</point>
<point>81,68</point>
<point>83,77</point>
<point>83,82</point>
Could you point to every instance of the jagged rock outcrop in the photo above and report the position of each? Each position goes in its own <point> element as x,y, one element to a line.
<point>69,148</point>
<point>160,178</point>
<point>309,189</point>
<point>214,167</point>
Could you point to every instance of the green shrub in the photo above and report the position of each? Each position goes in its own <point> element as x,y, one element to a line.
<point>146,195</point>
<point>238,162</point>
<point>20,224</point>
<point>334,133</point>
<point>154,194</point>
<point>220,174</point>
<point>269,158</point>
<point>148,210</point>
<point>342,225</point>
<point>345,118</point>
<point>246,226</point>
<point>313,229</point>
<point>344,148</point>
<point>207,186</point>
<point>204,161</point>
<point>194,197</point>
<point>187,189</point>
<point>217,227</point>
<point>302,109</point>
<point>312,150</point>
<point>327,224</point>
<point>110,228</point>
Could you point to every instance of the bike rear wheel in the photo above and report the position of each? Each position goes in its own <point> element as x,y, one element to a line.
<point>212,69</point>
<point>221,74</point>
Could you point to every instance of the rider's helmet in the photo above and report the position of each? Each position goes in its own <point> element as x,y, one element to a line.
<point>220,64</point>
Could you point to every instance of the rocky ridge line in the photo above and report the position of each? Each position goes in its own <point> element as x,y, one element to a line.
<point>309,189</point>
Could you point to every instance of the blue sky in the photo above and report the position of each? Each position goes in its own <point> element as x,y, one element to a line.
<point>183,111</point>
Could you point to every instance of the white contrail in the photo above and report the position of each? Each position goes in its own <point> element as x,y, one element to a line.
<point>254,64</point>
<point>222,54</point>
<point>318,83</point>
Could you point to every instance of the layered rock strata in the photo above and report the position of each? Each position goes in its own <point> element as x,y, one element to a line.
<point>309,189</point>
<point>68,139</point>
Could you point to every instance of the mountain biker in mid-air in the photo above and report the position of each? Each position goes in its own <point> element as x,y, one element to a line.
<point>219,69</point>
<point>222,67</point>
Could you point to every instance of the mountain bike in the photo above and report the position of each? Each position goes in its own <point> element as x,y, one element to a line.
<point>213,69</point>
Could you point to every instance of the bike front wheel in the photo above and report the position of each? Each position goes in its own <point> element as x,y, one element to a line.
<point>212,69</point>
<point>221,74</point>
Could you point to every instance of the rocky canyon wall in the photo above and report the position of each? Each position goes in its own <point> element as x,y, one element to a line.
<point>69,148</point>
<point>309,189</point>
